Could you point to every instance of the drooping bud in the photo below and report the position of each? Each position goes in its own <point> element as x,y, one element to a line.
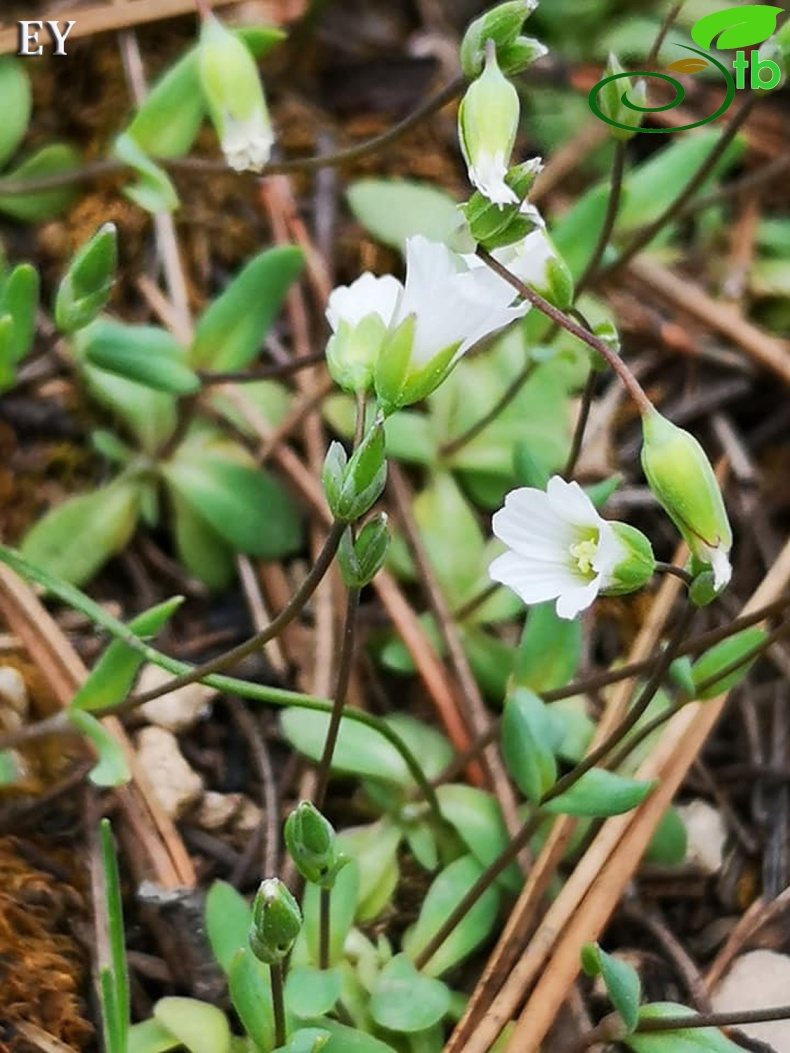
<point>312,844</point>
<point>234,97</point>
<point>361,558</point>
<point>87,284</point>
<point>276,922</point>
<point>681,477</point>
<point>502,25</point>
<point>487,125</point>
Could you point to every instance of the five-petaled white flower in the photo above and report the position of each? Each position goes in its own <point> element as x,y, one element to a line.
<point>560,547</point>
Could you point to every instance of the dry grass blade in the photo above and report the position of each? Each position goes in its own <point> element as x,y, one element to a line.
<point>164,858</point>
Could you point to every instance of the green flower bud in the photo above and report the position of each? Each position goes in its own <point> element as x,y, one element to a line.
<point>502,24</point>
<point>487,124</point>
<point>87,284</point>
<point>276,922</point>
<point>518,56</point>
<point>361,559</point>
<point>234,97</point>
<point>352,486</point>
<point>312,843</point>
<point>637,568</point>
<point>681,477</point>
<point>612,96</point>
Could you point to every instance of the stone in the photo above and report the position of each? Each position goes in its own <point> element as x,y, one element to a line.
<point>174,782</point>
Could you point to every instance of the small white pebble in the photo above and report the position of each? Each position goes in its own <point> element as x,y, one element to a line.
<point>217,809</point>
<point>13,698</point>
<point>175,784</point>
<point>248,817</point>
<point>177,710</point>
<point>758,980</point>
<point>706,833</point>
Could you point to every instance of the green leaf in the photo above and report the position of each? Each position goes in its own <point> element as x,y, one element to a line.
<point>491,660</point>
<point>119,970</point>
<point>621,979</point>
<point>343,1039</point>
<point>150,1037</point>
<point>600,793</point>
<point>375,850</point>
<point>394,210</point>
<point>112,677</point>
<point>669,842</point>
<point>739,27</point>
<point>251,993</point>
<point>476,817</point>
<point>145,354</point>
<point>200,548</point>
<point>550,650</point>
<point>405,1001</point>
<point>422,844</point>
<point>573,727</point>
<point>38,205</point>
<point>528,743</point>
<point>244,505</point>
<point>19,300</point>
<point>112,769</point>
<point>684,1040</point>
<point>721,656</point>
<point>360,750</point>
<point>201,1027</point>
<point>310,991</point>
<point>7,363</point>
<point>228,920</point>
<point>445,893</point>
<point>305,1040</point>
<point>229,333</point>
<point>17,101</point>
<point>74,539</point>
<point>154,190</point>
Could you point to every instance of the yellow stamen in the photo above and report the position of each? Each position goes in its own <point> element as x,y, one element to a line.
<point>584,553</point>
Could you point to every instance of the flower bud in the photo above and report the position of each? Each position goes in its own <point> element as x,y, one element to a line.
<point>362,558</point>
<point>502,24</point>
<point>276,922</point>
<point>624,121</point>
<point>234,97</point>
<point>352,485</point>
<point>312,843</point>
<point>487,124</point>
<point>681,477</point>
<point>87,284</point>
<point>495,226</point>
<point>636,568</point>
<point>359,315</point>
<point>518,56</point>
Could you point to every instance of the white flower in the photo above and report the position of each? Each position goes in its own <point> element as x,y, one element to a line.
<point>247,145</point>
<point>560,547</point>
<point>366,296</point>
<point>456,301</point>
<point>528,259</point>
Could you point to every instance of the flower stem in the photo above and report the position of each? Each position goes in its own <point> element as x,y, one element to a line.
<point>324,902</point>
<point>612,205</point>
<point>581,424</point>
<point>475,891</point>
<point>631,384</point>
<point>274,628</point>
<point>514,387</point>
<point>278,1003</point>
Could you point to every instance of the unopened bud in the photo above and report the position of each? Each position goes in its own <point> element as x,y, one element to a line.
<point>312,843</point>
<point>352,485</point>
<point>613,99</point>
<point>87,284</point>
<point>276,922</point>
<point>637,567</point>
<point>502,25</point>
<point>682,479</point>
<point>362,558</point>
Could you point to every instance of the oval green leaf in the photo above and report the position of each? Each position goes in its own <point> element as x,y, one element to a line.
<point>17,100</point>
<point>405,1001</point>
<point>38,205</point>
<point>394,210</point>
<point>599,793</point>
<point>528,741</point>
<point>228,920</point>
<point>201,1027</point>
<point>111,769</point>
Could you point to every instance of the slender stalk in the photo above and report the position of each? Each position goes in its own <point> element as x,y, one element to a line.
<point>677,572</point>
<point>665,659</point>
<point>274,628</point>
<point>324,922</point>
<point>666,25</point>
<point>643,237</point>
<point>281,369</point>
<point>278,1002</point>
<point>507,396</point>
<point>341,688</point>
<point>475,891</point>
<point>581,424</point>
<point>612,205</point>
<point>204,167</point>
<point>732,1019</point>
<point>471,605</point>
<point>629,381</point>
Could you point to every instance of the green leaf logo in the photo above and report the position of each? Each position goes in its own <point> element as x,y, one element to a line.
<point>737,27</point>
